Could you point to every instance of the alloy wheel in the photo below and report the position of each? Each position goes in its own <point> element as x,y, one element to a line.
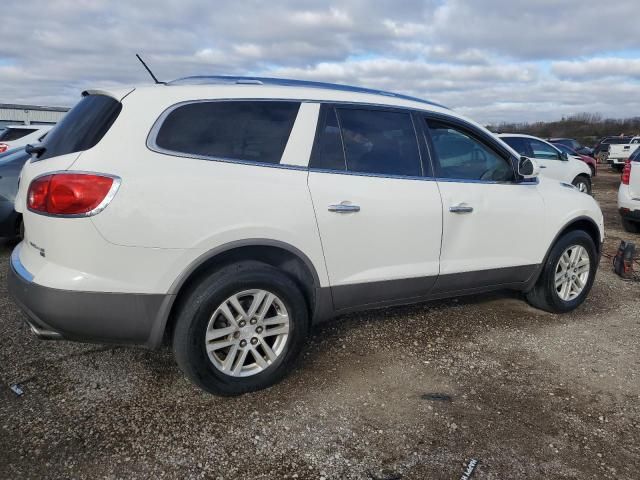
<point>247,333</point>
<point>572,272</point>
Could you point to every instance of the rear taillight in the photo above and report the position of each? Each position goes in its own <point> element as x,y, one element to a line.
<point>626,172</point>
<point>70,194</point>
<point>3,147</point>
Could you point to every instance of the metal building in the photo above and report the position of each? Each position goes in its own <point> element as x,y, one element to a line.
<point>12,114</point>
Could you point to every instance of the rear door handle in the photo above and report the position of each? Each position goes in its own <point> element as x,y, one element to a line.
<point>344,207</point>
<point>460,209</point>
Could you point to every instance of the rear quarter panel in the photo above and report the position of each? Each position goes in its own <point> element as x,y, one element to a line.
<point>193,205</point>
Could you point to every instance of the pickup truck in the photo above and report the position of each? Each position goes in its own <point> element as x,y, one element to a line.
<point>619,152</point>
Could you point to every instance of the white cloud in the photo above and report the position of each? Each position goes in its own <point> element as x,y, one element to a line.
<point>492,59</point>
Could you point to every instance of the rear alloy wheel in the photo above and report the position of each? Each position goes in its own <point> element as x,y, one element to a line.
<point>247,333</point>
<point>240,329</point>
<point>582,183</point>
<point>567,275</point>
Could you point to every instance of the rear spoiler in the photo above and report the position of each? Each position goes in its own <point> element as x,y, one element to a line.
<point>115,94</point>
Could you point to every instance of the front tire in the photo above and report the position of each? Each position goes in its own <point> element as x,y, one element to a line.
<point>240,329</point>
<point>567,275</point>
<point>582,183</point>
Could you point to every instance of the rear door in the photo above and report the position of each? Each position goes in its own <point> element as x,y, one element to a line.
<point>378,209</point>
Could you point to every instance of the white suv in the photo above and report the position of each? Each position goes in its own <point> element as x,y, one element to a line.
<point>557,164</point>
<point>228,215</point>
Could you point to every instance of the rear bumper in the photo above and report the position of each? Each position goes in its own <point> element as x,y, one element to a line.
<point>630,214</point>
<point>122,318</point>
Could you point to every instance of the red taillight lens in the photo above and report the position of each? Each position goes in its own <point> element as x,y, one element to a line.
<point>68,193</point>
<point>626,172</point>
<point>3,147</point>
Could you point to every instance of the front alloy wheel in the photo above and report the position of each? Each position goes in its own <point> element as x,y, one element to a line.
<point>572,272</point>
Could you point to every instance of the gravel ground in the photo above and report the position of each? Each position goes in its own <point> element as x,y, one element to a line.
<point>530,395</point>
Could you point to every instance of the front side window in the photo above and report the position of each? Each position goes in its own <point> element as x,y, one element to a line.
<point>239,130</point>
<point>462,156</point>
<point>543,150</point>
<point>380,142</point>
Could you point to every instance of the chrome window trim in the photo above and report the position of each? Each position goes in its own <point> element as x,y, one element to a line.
<point>152,145</point>
<point>117,181</point>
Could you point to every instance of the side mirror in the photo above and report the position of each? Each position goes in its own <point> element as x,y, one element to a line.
<point>564,156</point>
<point>528,167</point>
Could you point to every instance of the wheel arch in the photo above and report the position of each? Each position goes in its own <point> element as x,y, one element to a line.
<point>279,254</point>
<point>584,223</point>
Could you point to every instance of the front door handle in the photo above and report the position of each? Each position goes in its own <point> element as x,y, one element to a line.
<point>543,166</point>
<point>460,209</point>
<point>344,207</point>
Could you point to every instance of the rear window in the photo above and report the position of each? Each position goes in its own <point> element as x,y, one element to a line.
<point>14,134</point>
<point>255,131</point>
<point>82,127</point>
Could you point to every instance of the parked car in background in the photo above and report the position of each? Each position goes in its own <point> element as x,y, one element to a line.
<point>593,165</point>
<point>601,149</point>
<point>629,194</point>
<point>14,136</point>
<point>556,164</point>
<point>11,163</point>
<point>572,144</point>
<point>231,214</point>
<point>620,152</point>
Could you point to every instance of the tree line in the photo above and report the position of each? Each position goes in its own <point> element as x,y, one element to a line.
<point>587,128</point>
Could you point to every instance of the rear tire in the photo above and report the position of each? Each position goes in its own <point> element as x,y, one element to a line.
<point>210,310</point>
<point>582,183</point>
<point>547,294</point>
<point>631,226</point>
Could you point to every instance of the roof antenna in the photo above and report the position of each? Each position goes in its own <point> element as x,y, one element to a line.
<point>150,72</point>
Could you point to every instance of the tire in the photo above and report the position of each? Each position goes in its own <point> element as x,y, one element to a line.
<point>631,226</point>
<point>544,294</point>
<point>208,297</point>
<point>582,183</point>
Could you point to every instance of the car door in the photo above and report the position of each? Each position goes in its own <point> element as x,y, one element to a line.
<point>550,160</point>
<point>491,221</point>
<point>379,212</point>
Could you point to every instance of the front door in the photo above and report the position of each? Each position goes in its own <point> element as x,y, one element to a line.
<point>379,213</point>
<point>490,221</point>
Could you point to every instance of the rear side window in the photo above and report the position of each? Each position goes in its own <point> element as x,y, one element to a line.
<point>14,134</point>
<point>367,141</point>
<point>380,142</point>
<point>82,127</point>
<point>236,130</point>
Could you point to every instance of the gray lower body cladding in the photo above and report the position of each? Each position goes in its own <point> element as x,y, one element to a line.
<point>129,318</point>
<point>125,318</point>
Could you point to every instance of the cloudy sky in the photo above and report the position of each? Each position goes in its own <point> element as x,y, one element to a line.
<point>494,60</point>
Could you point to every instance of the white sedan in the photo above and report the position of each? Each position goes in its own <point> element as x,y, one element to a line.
<point>556,164</point>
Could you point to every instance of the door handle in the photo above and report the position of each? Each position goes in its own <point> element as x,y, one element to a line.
<point>460,209</point>
<point>542,166</point>
<point>344,207</point>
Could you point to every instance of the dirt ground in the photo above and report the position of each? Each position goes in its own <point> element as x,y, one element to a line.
<point>526,393</point>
